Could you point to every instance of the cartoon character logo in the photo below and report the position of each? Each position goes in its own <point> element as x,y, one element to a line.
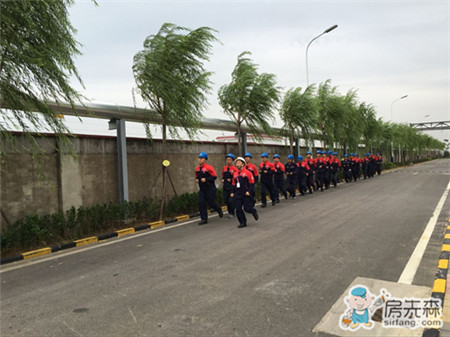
<point>361,305</point>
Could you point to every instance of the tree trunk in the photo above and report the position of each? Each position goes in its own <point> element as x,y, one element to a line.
<point>291,141</point>
<point>163,157</point>
<point>239,135</point>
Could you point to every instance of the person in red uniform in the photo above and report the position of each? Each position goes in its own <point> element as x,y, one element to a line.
<point>205,176</point>
<point>279,177</point>
<point>302,174</point>
<point>242,193</point>
<point>228,172</point>
<point>267,170</point>
<point>250,166</point>
<point>312,166</point>
<point>334,169</point>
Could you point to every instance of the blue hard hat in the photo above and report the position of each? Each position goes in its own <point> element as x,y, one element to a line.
<point>378,154</point>
<point>368,154</point>
<point>230,155</point>
<point>248,154</point>
<point>324,152</point>
<point>346,155</point>
<point>309,152</point>
<point>300,158</point>
<point>335,153</point>
<point>276,156</point>
<point>356,154</point>
<point>291,156</point>
<point>318,152</point>
<point>264,155</point>
<point>203,155</point>
<point>330,152</point>
<point>351,154</point>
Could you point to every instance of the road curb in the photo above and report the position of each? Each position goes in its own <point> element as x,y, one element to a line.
<point>440,284</point>
<point>94,239</point>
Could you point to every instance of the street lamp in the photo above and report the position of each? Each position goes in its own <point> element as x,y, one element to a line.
<point>325,31</point>
<point>392,143</point>
<point>398,99</point>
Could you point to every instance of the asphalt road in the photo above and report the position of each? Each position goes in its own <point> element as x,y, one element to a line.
<point>277,277</point>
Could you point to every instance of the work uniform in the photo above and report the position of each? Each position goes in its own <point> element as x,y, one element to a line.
<point>291,180</point>
<point>364,164</point>
<point>243,182</point>
<point>355,167</point>
<point>254,170</point>
<point>267,170</point>
<point>326,173</point>
<point>207,193</point>
<point>228,172</point>
<point>347,166</point>
<point>371,166</point>
<point>335,164</point>
<point>279,180</point>
<point>320,162</point>
<point>379,162</point>
<point>302,171</point>
<point>310,179</point>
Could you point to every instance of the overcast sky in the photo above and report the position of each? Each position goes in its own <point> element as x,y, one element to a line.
<point>383,49</point>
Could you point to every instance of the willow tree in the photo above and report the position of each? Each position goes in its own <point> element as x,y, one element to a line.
<point>250,98</point>
<point>329,107</point>
<point>37,51</point>
<point>171,78</point>
<point>299,114</point>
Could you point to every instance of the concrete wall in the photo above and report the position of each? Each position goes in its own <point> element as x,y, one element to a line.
<point>63,181</point>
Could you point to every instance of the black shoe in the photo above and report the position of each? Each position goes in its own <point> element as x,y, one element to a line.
<point>220,213</point>
<point>278,201</point>
<point>293,197</point>
<point>274,202</point>
<point>263,206</point>
<point>203,222</point>
<point>242,225</point>
<point>255,215</point>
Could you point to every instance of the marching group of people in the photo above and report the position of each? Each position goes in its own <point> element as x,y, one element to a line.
<point>240,175</point>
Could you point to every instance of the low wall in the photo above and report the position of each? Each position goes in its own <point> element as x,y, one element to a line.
<point>62,181</point>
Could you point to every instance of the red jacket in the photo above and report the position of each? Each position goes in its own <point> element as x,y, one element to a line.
<point>205,171</point>
<point>266,170</point>
<point>252,168</point>
<point>243,181</point>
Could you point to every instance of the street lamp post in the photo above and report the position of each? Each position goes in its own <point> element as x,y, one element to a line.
<point>392,143</point>
<point>325,31</point>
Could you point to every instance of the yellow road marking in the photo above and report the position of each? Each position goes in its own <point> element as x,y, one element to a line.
<point>125,231</point>
<point>86,241</point>
<point>182,217</point>
<point>35,253</point>
<point>443,264</point>
<point>156,224</point>
<point>439,286</point>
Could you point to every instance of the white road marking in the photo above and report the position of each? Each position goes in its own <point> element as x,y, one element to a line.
<point>410,270</point>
